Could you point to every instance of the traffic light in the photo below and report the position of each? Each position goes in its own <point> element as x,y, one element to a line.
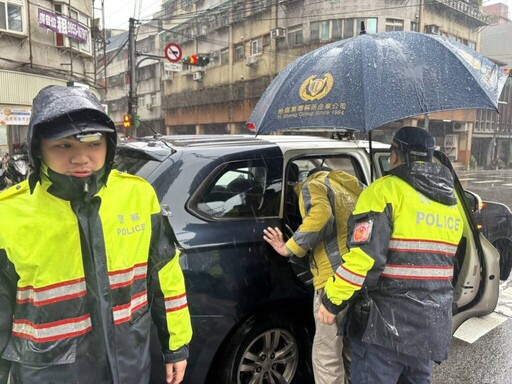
<point>127,121</point>
<point>507,71</point>
<point>196,60</point>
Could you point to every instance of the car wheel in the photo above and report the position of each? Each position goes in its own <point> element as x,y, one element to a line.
<point>504,247</point>
<point>270,348</point>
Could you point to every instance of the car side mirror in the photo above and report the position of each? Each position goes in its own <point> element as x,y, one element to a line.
<point>474,201</point>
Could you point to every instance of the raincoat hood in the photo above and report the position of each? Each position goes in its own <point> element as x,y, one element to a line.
<point>56,101</point>
<point>431,179</point>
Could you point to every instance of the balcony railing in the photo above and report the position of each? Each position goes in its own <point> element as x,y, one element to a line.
<point>463,8</point>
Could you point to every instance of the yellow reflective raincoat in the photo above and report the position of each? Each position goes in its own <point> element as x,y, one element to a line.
<point>326,199</point>
<point>403,237</point>
<point>85,265</point>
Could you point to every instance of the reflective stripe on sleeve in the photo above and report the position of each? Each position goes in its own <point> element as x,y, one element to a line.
<point>349,277</point>
<point>127,276</point>
<point>57,330</point>
<point>176,303</point>
<point>51,293</point>
<point>416,272</point>
<point>412,245</point>
<point>123,312</point>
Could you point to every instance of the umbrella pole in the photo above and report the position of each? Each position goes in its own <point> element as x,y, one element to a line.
<point>371,156</point>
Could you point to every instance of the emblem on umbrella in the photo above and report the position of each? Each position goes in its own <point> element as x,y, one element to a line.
<point>315,89</point>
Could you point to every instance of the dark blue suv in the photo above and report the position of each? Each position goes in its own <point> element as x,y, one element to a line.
<point>251,308</point>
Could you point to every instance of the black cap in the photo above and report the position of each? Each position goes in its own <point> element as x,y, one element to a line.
<point>69,125</point>
<point>415,141</point>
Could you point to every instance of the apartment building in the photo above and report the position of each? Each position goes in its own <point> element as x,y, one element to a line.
<point>42,42</point>
<point>249,42</point>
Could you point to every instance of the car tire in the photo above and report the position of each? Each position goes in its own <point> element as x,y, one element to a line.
<point>504,247</point>
<point>269,348</point>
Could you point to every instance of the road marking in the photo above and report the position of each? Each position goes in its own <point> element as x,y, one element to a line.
<point>476,327</point>
<point>487,181</point>
<point>507,185</point>
<point>468,179</point>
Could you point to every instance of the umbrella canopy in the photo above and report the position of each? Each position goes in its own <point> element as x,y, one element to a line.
<point>372,79</point>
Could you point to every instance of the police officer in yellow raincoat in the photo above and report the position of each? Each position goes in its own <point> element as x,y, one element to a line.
<point>87,259</point>
<point>403,237</point>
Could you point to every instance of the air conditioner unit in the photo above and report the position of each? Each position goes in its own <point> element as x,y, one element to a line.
<point>149,107</point>
<point>278,33</point>
<point>197,76</point>
<point>460,127</point>
<point>252,60</point>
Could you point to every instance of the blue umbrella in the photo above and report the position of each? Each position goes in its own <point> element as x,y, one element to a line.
<point>372,79</point>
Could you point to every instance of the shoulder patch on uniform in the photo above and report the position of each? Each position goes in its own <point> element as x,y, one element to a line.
<point>362,232</point>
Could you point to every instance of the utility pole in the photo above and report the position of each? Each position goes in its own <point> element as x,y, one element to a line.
<point>104,45</point>
<point>420,17</point>
<point>132,102</point>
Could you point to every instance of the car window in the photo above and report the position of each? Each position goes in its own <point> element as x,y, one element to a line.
<point>239,190</point>
<point>302,166</point>
<point>134,162</point>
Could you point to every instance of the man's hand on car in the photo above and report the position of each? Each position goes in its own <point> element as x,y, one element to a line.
<point>274,237</point>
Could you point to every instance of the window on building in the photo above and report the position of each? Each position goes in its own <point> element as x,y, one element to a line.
<point>348,28</point>
<point>85,21</point>
<point>63,41</point>
<point>295,36</point>
<point>394,25</point>
<point>320,30</point>
<point>370,24</point>
<point>116,81</point>
<point>256,46</point>
<point>224,56</point>
<point>153,99</point>
<point>330,30</point>
<point>239,52</point>
<point>11,15</point>
<point>472,45</point>
<point>141,101</point>
<point>336,29</point>
<point>414,26</point>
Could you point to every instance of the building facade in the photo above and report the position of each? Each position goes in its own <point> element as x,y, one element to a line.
<point>493,130</point>
<point>249,42</point>
<point>41,43</point>
<point>143,100</point>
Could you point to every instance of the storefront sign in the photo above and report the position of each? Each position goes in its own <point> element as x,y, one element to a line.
<point>14,116</point>
<point>60,24</point>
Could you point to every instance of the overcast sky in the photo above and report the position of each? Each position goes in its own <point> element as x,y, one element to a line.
<point>118,12</point>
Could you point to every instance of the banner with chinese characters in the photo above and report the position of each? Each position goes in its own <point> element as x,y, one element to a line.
<point>14,116</point>
<point>60,24</point>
